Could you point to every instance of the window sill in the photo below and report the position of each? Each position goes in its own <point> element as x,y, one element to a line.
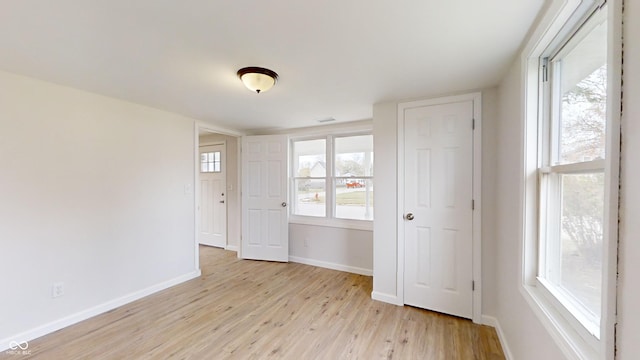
<point>565,336</point>
<point>366,225</point>
<point>563,301</point>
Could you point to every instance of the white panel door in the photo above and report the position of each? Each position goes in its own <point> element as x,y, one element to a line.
<point>438,216</point>
<point>213,205</point>
<point>265,228</point>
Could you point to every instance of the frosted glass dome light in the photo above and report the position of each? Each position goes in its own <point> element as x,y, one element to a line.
<point>257,79</point>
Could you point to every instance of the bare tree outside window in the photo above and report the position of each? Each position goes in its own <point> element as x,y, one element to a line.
<point>583,119</point>
<point>583,126</point>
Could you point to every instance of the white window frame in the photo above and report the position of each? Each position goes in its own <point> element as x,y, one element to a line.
<point>330,178</point>
<point>574,339</point>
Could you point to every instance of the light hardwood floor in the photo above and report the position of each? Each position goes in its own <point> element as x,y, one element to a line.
<point>241,309</point>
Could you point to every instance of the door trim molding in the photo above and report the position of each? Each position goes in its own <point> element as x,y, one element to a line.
<point>199,126</point>
<point>476,99</point>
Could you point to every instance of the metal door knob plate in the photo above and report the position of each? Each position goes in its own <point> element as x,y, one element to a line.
<point>409,216</point>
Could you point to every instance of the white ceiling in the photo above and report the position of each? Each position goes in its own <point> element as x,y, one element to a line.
<point>335,58</point>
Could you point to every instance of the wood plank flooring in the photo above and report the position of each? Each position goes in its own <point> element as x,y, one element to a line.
<point>241,309</point>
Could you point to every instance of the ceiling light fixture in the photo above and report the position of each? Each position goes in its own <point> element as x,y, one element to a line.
<point>257,79</point>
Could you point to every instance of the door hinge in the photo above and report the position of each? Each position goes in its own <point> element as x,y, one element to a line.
<point>473,124</point>
<point>473,204</point>
<point>473,285</point>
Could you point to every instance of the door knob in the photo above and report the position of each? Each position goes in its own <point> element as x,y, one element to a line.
<point>409,216</point>
<point>284,204</point>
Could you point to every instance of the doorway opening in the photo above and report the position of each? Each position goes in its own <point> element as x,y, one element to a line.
<point>217,189</point>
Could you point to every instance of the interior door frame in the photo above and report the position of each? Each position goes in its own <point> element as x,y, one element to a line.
<point>476,99</point>
<point>194,188</point>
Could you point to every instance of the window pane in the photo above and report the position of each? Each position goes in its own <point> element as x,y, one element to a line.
<point>354,155</point>
<point>309,158</point>
<point>203,167</point>
<point>581,237</point>
<point>354,199</point>
<point>310,195</point>
<point>583,91</point>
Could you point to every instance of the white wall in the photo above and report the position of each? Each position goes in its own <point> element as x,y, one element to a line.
<point>385,231</point>
<point>92,194</point>
<point>525,336</point>
<point>385,227</point>
<point>628,341</point>
<point>234,224</point>
<point>335,248</point>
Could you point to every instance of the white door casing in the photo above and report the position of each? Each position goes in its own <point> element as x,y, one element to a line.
<point>212,204</point>
<point>265,228</point>
<point>436,190</point>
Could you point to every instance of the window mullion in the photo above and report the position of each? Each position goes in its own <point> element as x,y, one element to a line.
<point>330,182</point>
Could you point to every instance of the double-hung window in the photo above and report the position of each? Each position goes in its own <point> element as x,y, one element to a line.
<point>572,171</point>
<point>571,186</point>
<point>332,177</point>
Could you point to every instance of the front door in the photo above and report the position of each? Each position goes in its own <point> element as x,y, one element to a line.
<point>265,227</point>
<point>438,217</point>
<point>213,204</point>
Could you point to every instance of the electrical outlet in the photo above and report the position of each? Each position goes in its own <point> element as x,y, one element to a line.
<point>306,242</point>
<point>57,290</point>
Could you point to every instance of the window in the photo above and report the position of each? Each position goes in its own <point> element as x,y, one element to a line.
<point>210,162</point>
<point>310,177</point>
<point>572,171</point>
<point>571,177</point>
<point>333,177</point>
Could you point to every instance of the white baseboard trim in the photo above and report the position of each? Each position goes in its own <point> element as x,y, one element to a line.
<point>391,299</point>
<point>96,310</point>
<point>231,248</point>
<point>332,266</point>
<point>493,322</point>
<point>489,321</point>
